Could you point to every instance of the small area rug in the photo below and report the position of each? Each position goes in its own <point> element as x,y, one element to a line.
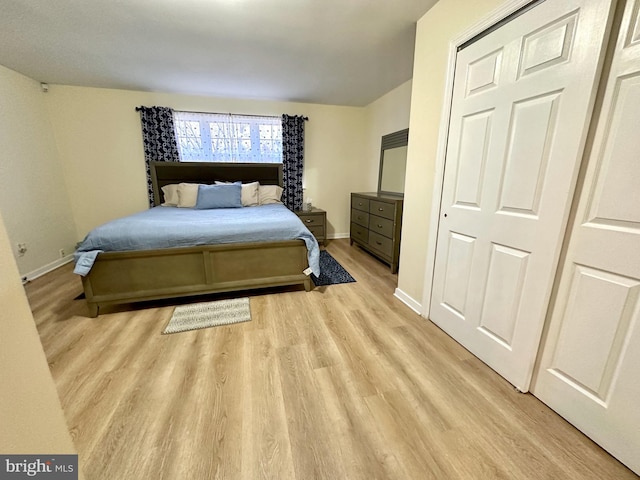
<point>331,272</point>
<point>208,314</point>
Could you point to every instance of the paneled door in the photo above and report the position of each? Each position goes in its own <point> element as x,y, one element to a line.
<point>522,101</point>
<point>590,365</point>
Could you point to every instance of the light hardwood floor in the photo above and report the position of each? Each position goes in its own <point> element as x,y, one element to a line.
<point>344,382</point>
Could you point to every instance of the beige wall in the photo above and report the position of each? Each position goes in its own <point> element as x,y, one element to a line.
<point>446,20</point>
<point>30,413</point>
<point>33,193</point>
<point>385,115</point>
<point>99,139</point>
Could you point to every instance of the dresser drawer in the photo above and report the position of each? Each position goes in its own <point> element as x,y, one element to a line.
<point>376,220</point>
<point>382,209</point>
<point>380,243</point>
<point>360,217</point>
<point>359,233</point>
<point>312,220</point>
<point>360,203</point>
<point>382,226</point>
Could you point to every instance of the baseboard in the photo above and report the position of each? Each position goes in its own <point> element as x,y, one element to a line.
<point>408,301</point>
<point>47,268</point>
<point>336,236</point>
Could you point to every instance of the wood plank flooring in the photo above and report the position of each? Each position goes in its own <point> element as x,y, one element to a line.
<point>344,382</point>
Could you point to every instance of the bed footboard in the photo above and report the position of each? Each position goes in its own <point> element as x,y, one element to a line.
<point>134,276</point>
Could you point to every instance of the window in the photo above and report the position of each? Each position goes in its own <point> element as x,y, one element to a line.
<point>213,137</point>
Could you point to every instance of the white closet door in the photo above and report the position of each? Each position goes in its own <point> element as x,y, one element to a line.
<point>522,99</point>
<point>590,366</point>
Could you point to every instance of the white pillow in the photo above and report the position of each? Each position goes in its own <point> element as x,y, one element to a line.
<point>170,195</point>
<point>187,195</point>
<point>269,194</point>
<point>249,194</point>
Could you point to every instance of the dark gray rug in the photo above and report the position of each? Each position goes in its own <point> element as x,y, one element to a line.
<point>331,272</point>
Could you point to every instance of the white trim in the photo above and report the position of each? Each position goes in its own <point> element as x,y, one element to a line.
<point>408,301</point>
<point>497,15</point>
<point>335,236</point>
<point>47,268</point>
<point>491,19</point>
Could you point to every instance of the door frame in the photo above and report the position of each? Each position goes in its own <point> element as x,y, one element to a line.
<point>498,15</point>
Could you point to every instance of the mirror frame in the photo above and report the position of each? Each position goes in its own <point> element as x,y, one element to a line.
<point>392,140</point>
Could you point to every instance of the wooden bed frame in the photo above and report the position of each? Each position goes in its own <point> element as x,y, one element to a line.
<point>134,276</point>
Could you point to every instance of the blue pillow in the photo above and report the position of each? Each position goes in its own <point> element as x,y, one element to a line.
<point>219,196</point>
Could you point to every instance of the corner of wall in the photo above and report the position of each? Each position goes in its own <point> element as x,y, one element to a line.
<point>33,194</point>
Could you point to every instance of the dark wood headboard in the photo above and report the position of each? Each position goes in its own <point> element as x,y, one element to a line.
<point>166,173</point>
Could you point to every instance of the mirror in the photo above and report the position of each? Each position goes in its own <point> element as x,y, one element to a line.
<point>393,163</point>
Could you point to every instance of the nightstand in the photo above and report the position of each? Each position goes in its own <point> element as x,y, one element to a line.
<point>316,221</point>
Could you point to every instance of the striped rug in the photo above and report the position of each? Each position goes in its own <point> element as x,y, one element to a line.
<point>208,314</point>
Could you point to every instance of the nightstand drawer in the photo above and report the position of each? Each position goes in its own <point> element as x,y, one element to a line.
<point>382,226</point>
<point>360,217</point>
<point>380,243</point>
<point>359,233</point>
<point>317,231</point>
<point>360,203</point>
<point>382,209</point>
<point>312,220</point>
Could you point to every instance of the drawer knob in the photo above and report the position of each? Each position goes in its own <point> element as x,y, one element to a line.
<point>308,220</point>
<point>380,209</point>
<point>379,243</point>
<point>379,226</point>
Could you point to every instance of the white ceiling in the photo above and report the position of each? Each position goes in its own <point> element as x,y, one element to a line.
<point>340,52</point>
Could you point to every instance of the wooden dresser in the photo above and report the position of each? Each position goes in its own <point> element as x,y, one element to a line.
<point>376,221</point>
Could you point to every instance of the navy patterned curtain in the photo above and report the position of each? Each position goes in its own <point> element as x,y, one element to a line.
<point>158,138</point>
<point>292,160</point>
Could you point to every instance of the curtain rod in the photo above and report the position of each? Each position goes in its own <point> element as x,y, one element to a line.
<point>224,113</point>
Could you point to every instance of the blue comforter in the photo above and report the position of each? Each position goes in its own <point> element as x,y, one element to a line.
<point>170,227</point>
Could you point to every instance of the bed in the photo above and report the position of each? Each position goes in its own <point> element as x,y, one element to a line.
<point>118,277</point>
